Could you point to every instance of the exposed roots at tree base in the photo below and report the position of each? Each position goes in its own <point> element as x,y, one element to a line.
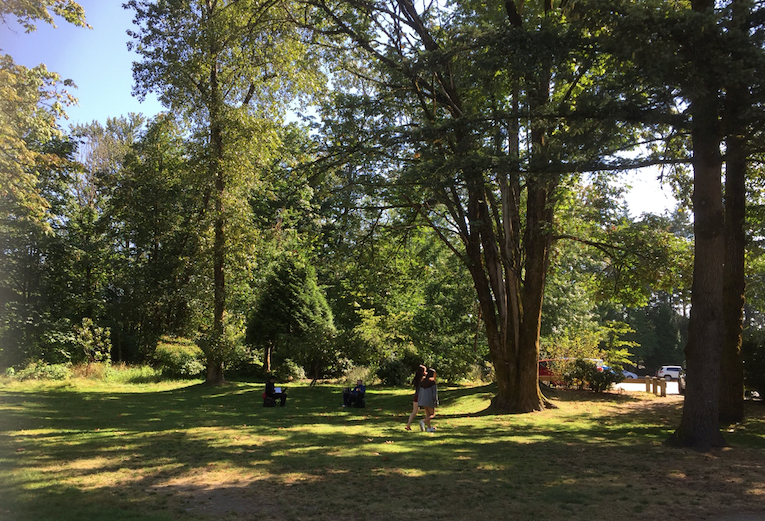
<point>504,406</point>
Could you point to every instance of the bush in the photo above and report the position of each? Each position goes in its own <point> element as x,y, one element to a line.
<point>603,380</point>
<point>584,373</point>
<point>394,372</point>
<point>245,363</point>
<point>357,372</point>
<point>43,371</point>
<point>289,370</point>
<point>179,358</point>
<point>95,342</point>
<point>91,370</point>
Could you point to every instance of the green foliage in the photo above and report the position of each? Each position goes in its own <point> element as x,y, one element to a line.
<point>179,358</point>
<point>616,346</point>
<point>382,336</point>
<point>600,381</point>
<point>394,372</point>
<point>288,370</point>
<point>585,373</point>
<point>660,333</point>
<point>156,204</point>
<point>26,12</point>
<point>292,317</point>
<point>43,371</point>
<point>399,370</point>
<point>94,342</point>
<point>31,100</point>
<point>133,374</point>
<point>242,65</point>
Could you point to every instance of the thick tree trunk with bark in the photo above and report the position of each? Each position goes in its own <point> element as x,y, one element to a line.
<point>214,357</point>
<point>510,306</point>
<point>699,426</point>
<point>732,369</point>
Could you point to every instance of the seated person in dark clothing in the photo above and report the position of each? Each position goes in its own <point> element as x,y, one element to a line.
<point>275,393</point>
<point>354,397</point>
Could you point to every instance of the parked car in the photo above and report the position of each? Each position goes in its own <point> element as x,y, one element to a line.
<point>669,372</point>
<point>629,374</point>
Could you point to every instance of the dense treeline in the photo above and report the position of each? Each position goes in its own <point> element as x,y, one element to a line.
<point>453,199</point>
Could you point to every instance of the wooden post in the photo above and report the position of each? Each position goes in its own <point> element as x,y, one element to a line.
<point>663,386</point>
<point>647,384</point>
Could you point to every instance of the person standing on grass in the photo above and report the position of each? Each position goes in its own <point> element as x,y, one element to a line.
<point>419,375</point>
<point>428,400</point>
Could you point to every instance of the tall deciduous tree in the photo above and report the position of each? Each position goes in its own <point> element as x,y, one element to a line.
<point>154,214</point>
<point>232,67</point>
<point>460,110</point>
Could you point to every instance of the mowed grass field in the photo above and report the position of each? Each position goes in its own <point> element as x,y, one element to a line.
<point>84,451</point>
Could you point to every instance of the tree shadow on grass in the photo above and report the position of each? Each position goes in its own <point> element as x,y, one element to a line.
<point>205,452</point>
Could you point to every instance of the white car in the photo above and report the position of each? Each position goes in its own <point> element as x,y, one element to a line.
<point>629,374</point>
<point>669,372</point>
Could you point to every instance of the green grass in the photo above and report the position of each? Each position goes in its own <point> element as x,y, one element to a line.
<point>161,451</point>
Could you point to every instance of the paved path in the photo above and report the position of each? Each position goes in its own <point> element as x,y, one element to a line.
<point>640,387</point>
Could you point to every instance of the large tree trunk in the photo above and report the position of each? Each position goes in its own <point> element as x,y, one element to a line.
<point>214,372</point>
<point>511,307</point>
<point>699,426</point>
<point>732,369</point>
<point>520,320</point>
<point>215,359</point>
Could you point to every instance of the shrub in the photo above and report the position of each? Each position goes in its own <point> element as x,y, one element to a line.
<point>357,372</point>
<point>179,358</point>
<point>289,370</point>
<point>92,370</point>
<point>394,372</point>
<point>245,362</point>
<point>94,341</point>
<point>585,373</point>
<point>603,380</point>
<point>43,371</point>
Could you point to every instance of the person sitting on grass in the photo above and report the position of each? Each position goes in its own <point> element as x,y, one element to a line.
<point>273,393</point>
<point>353,397</point>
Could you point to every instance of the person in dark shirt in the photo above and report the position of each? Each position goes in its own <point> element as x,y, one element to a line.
<point>271,392</point>
<point>354,396</point>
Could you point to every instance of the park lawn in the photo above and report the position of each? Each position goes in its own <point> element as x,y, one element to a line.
<point>78,450</point>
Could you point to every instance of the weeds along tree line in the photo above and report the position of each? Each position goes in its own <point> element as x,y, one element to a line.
<point>340,183</point>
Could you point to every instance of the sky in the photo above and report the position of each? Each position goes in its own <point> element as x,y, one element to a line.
<point>98,62</point>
